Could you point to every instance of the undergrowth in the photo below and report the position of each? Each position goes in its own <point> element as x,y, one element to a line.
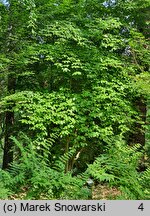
<point>32,177</point>
<point>119,168</point>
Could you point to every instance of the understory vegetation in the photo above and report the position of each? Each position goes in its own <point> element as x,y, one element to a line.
<point>74,99</point>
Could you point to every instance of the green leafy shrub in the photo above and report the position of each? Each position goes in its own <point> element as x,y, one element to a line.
<point>145,182</point>
<point>118,166</point>
<point>4,192</point>
<point>41,180</point>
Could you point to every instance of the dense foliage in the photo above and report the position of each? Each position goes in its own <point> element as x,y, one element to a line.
<point>74,98</point>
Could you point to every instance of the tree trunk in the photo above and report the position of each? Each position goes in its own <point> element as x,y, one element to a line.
<point>8,152</point>
<point>11,81</point>
<point>9,122</point>
<point>138,135</point>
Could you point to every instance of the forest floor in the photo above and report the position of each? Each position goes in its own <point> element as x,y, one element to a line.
<point>103,192</point>
<point>99,192</point>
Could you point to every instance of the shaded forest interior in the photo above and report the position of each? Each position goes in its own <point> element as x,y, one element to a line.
<point>74,99</point>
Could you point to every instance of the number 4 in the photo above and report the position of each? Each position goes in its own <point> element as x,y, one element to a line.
<point>141,207</point>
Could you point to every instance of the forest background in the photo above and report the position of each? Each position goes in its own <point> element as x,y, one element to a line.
<point>74,99</point>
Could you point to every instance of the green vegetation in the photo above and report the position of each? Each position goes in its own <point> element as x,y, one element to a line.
<point>74,98</point>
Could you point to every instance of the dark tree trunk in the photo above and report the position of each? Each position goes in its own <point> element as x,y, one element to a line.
<point>8,152</point>
<point>11,81</point>
<point>9,122</point>
<point>138,135</point>
<point>141,104</point>
<point>143,111</point>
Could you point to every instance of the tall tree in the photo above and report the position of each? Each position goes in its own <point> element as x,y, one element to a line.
<point>18,21</point>
<point>9,116</point>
